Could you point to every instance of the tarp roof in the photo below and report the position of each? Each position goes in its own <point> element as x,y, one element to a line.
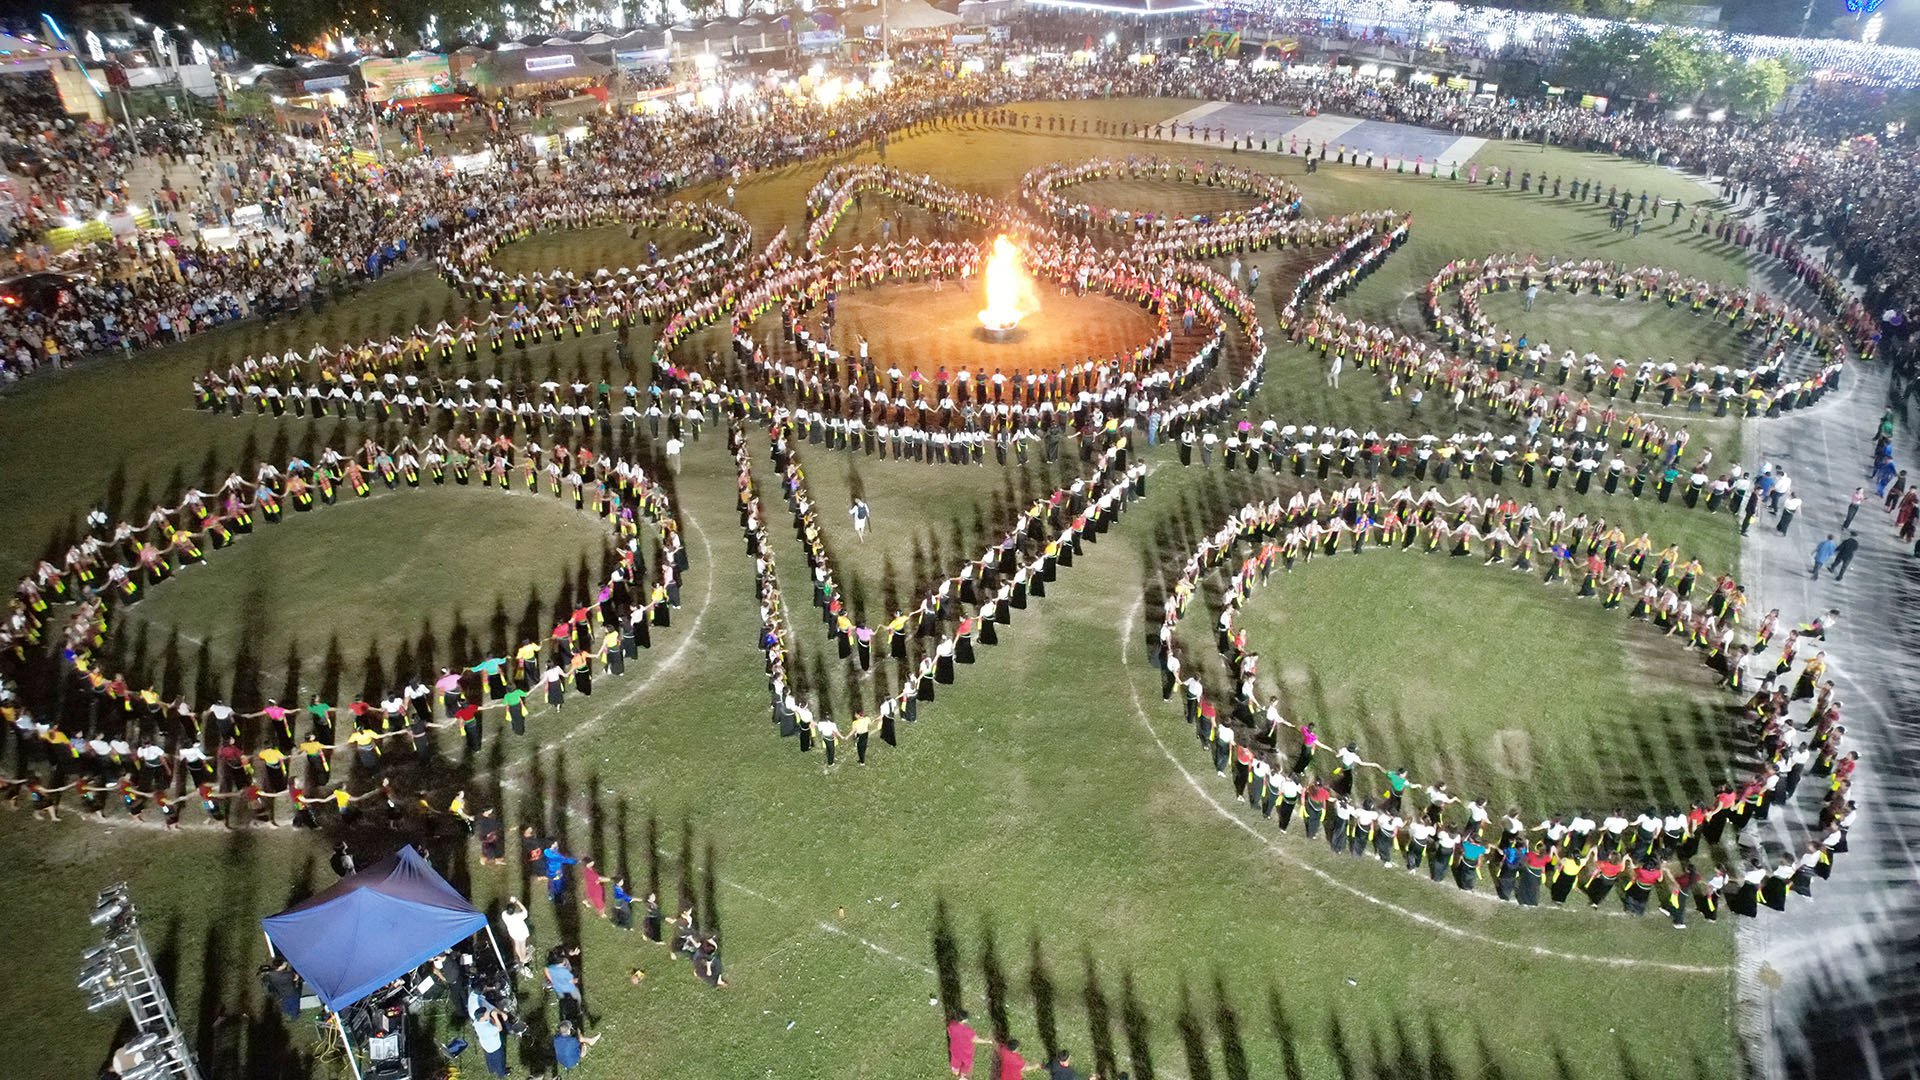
<point>372,927</point>
<point>902,16</point>
<point>506,68</point>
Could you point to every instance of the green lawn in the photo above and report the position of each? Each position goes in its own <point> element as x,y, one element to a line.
<point>1478,676</point>
<point>585,250</point>
<point>1046,842</point>
<point>927,519</point>
<point>1638,330</point>
<point>1169,197</point>
<point>517,555</point>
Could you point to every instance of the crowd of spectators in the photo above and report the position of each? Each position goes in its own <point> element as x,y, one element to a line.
<point>321,218</point>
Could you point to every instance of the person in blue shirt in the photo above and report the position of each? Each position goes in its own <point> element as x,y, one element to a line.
<point>1467,863</point>
<point>488,1023</point>
<point>1823,554</point>
<point>564,983</point>
<point>568,1045</point>
<point>557,863</point>
<point>622,905</point>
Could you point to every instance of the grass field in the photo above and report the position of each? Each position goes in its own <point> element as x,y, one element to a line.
<point>584,250</point>
<point>1045,845</point>
<point>1438,665</point>
<point>1157,195</point>
<point>1638,329</point>
<point>253,604</point>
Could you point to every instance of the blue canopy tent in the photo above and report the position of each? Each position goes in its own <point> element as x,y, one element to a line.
<point>371,928</point>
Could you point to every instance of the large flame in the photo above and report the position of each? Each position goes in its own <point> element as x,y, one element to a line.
<point>1008,290</point>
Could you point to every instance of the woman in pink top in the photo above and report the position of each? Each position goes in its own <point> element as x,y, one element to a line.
<point>960,1045</point>
<point>593,888</point>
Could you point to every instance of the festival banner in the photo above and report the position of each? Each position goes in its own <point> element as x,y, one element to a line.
<point>413,76</point>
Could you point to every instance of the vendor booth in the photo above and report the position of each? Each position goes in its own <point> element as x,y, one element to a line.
<point>359,944</point>
<point>537,69</point>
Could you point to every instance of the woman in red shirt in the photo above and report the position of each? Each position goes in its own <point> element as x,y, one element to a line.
<point>1602,873</point>
<point>1533,869</point>
<point>1317,795</point>
<point>1640,886</point>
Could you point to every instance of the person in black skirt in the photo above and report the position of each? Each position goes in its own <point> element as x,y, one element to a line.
<point>1532,871</point>
<point>1746,899</point>
<point>652,923</point>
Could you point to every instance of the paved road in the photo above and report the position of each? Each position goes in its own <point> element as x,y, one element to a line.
<point>1831,988</point>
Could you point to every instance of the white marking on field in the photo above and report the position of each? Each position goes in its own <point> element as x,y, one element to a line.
<point>1323,130</point>
<point>1462,149</point>
<point>670,664</point>
<point>1198,113</point>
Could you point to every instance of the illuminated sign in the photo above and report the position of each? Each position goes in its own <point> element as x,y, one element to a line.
<point>416,76</point>
<point>549,63</point>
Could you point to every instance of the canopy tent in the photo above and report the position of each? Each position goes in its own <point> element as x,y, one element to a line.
<point>902,18</point>
<point>539,64</point>
<point>372,927</point>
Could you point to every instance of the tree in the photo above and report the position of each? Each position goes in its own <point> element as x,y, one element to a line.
<point>1717,71</point>
<point>1670,67</point>
<point>1597,62</point>
<point>1756,86</point>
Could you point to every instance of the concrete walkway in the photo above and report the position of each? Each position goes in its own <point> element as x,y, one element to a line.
<point>1831,988</point>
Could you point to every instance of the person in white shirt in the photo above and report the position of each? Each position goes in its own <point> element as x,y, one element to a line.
<point>1288,788</point>
<point>514,917</point>
<point>829,733</point>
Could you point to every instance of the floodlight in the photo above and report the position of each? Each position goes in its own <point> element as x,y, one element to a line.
<point>103,1000</point>
<point>96,975</point>
<point>108,911</point>
<point>142,1043</point>
<point>150,1069</point>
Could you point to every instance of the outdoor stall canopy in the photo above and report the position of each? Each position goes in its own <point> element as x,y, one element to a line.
<point>902,20</point>
<point>372,927</point>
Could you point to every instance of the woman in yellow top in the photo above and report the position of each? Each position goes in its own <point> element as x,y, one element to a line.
<point>861,730</point>
<point>611,653</point>
<point>366,747</point>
